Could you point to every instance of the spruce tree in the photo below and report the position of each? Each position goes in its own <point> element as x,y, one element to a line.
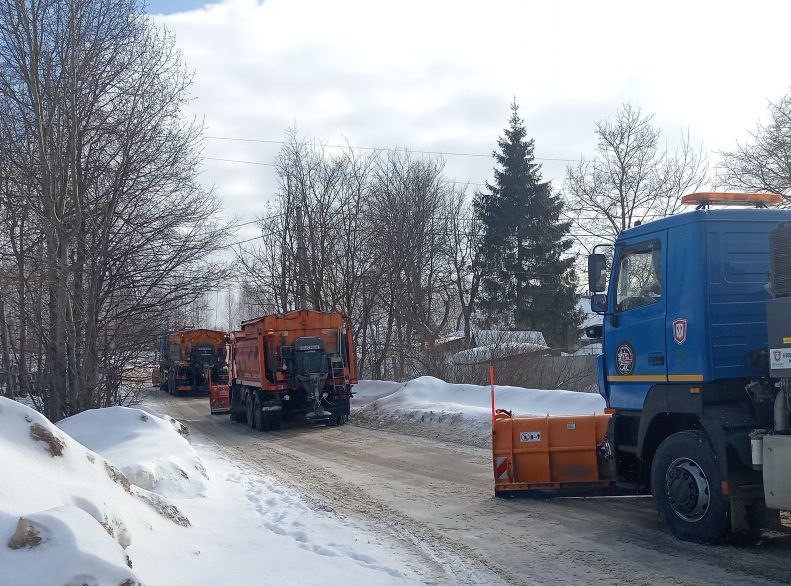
<point>528,281</point>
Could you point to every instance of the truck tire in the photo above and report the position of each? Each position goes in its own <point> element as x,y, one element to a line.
<point>238,412</point>
<point>275,421</point>
<point>340,420</point>
<point>248,410</point>
<point>687,485</point>
<point>259,419</point>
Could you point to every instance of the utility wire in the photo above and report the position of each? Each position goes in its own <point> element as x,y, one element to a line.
<point>238,161</point>
<point>382,149</point>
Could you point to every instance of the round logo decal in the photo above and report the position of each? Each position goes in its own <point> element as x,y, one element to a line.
<point>624,359</point>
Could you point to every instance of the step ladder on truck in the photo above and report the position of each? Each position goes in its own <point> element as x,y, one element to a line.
<point>694,369</point>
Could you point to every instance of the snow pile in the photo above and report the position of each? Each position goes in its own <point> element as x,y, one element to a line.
<point>152,451</point>
<point>430,407</point>
<point>70,517</point>
<point>67,515</point>
<point>367,391</point>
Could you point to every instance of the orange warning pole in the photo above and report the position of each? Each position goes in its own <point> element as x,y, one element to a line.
<point>491,382</point>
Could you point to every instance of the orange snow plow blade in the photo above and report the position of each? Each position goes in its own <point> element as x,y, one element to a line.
<point>220,398</point>
<point>551,456</point>
<point>219,395</point>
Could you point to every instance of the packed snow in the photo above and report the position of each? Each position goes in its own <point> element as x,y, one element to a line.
<point>430,407</point>
<point>70,515</point>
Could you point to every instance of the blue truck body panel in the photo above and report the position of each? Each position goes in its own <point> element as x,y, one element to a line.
<point>709,320</point>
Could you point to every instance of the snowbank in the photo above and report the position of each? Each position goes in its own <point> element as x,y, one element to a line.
<point>430,407</point>
<point>70,517</point>
<point>67,515</point>
<point>367,391</point>
<point>135,442</point>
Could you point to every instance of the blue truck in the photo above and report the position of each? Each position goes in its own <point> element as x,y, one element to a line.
<point>696,363</point>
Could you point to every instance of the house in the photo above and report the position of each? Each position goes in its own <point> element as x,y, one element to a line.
<point>488,345</point>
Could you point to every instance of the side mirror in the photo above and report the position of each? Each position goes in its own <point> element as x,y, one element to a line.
<point>597,268</point>
<point>594,332</point>
<point>599,303</point>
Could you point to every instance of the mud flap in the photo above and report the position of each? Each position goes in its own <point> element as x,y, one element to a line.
<point>748,509</point>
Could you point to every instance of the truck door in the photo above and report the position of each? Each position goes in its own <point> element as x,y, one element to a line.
<point>634,327</point>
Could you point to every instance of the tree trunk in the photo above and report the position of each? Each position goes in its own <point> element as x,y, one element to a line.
<point>5,367</point>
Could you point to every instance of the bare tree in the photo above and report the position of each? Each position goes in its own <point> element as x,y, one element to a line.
<point>110,230</point>
<point>365,234</point>
<point>632,178</point>
<point>466,231</point>
<point>764,162</point>
<point>410,203</point>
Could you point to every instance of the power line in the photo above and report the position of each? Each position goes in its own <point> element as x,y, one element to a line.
<point>238,161</point>
<point>429,230</point>
<point>383,149</point>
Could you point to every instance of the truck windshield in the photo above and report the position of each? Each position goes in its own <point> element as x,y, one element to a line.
<point>639,283</point>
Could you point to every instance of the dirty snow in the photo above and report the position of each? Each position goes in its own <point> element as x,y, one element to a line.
<point>87,523</point>
<point>430,407</point>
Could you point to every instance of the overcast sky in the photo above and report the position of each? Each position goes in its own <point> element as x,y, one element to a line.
<point>439,76</point>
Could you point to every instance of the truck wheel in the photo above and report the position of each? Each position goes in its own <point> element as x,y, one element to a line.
<point>237,405</point>
<point>275,421</point>
<point>259,419</point>
<point>687,485</point>
<point>248,409</point>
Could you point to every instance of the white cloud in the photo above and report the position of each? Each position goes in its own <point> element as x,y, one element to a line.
<point>440,75</point>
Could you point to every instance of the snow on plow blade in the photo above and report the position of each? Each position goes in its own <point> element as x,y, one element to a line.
<point>551,456</point>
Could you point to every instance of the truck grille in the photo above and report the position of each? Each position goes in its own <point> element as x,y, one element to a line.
<point>780,243</point>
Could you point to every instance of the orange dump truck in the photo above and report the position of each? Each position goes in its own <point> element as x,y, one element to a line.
<point>298,364</point>
<point>551,456</point>
<point>194,361</point>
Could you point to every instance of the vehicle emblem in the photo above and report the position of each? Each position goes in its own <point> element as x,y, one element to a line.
<point>624,359</point>
<point>680,331</point>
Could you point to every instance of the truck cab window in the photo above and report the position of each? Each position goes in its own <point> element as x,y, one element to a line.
<point>639,283</point>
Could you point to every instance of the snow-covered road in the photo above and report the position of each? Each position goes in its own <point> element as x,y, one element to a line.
<point>435,499</point>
